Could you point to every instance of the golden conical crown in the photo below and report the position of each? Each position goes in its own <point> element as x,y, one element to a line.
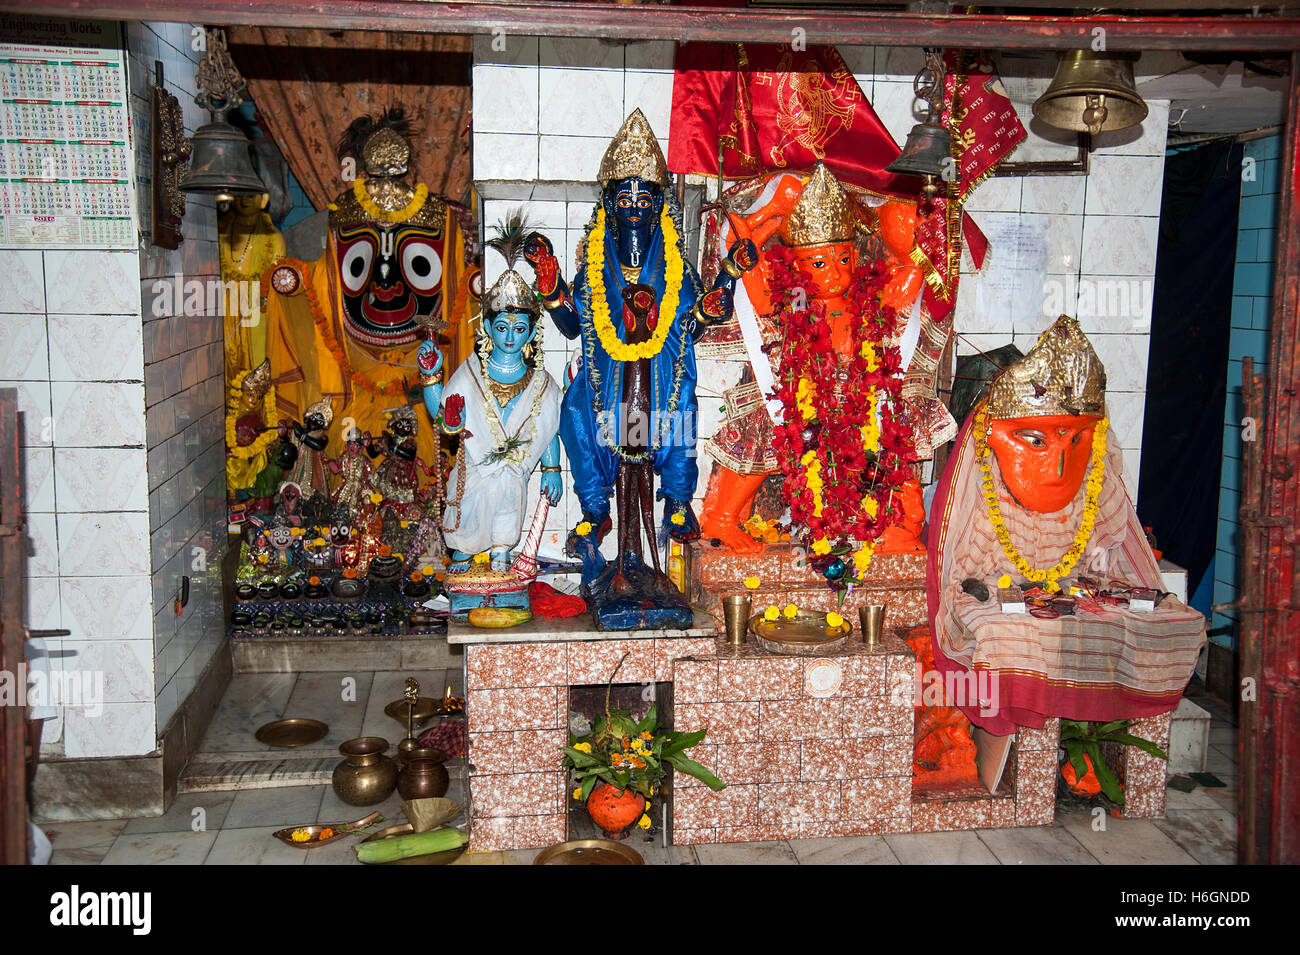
<point>634,153</point>
<point>510,293</point>
<point>257,382</point>
<point>822,214</point>
<point>1060,375</point>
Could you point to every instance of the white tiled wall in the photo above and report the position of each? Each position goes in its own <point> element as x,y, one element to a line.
<point>544,111</point>
<point>1101,234</point>
<point>117,409</point>
<point>184,401</point>
<point>71,341</point>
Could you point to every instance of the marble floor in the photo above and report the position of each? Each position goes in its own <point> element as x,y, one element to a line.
<point>221,828</point>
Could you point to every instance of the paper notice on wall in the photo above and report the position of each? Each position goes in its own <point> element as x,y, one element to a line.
<point>65,144</point>
<point>1012,282</point>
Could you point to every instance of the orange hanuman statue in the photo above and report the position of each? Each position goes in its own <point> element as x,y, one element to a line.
<point>826,250</point>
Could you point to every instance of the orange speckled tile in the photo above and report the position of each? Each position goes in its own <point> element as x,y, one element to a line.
<point>876,798</point>
<point>499,711</point>
<point>667,650</point>
<point>726,722</point>
<point>839,759</point>
<point>523,832</point>
<point>698,807</point>
<point>516,665</point>
<point>771,762</point>
<point>592,661</point>
<point>877,717</point>
<point>800,719</point>
<point>521,751</point>
<point>517,794</point>
<point>695,681</point>
<point>769,678</point>
<point>784,803</point>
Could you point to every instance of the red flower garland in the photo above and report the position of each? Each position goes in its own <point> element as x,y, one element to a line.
<point>836,432</point>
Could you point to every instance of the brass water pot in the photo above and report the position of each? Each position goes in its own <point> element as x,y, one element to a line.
<point>423,775</point>
<point>366,776</point>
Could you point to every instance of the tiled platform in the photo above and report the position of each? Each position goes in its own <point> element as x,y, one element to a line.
<point>235,827</point>
<point>798,762</point>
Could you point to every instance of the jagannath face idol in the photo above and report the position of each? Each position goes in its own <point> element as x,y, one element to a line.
<point>1043,460</point>
<point>388,277</point>
<point>830,265</point>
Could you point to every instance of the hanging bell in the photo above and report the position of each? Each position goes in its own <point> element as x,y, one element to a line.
<point>1092,93</point>
<point>220,163</point>
<point>927,153</point>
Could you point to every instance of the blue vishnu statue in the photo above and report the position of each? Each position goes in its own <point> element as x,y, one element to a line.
<point>634,238</point>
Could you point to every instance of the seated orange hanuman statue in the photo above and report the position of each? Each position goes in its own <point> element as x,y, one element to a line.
<point>810,228</point>
<point>1034,491</point>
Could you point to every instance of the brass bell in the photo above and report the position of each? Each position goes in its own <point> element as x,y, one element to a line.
<point>1092,93</point>
<point>221,164</point>
<point>927,153</point>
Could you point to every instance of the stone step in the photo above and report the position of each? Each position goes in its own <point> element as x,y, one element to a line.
<point>222,772</point>
<point>346,653</point>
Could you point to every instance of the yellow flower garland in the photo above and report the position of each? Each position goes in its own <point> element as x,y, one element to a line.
<point>674,270</point>
<point>263,440</point>
<point>1097,470</point>
<point>383,215</point>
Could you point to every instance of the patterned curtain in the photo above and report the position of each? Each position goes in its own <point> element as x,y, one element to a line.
<point>310,84</point>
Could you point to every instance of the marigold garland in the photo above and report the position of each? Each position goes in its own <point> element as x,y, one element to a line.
<point>383,215</point>
<point>825,444</point>
<point>674,269</point>
<point>1097,470</point>
<point>263,440</point>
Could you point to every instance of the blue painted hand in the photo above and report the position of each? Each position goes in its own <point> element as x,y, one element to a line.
<point>552,486</point>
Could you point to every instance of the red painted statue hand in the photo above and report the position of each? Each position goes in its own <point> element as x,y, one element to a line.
<point>540,254</point>
<point>454,408</point>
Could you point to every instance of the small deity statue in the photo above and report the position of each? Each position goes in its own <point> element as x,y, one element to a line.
<point>505,408</point>
<point>1034,490</point>
<point>396,478</point>
<point>355,469</point>
<point>250,432</point>
<point>290,506</point>
<point>302,455</point>
<point>635,237</point>
<point>809,282</point>
<point>248,244</point>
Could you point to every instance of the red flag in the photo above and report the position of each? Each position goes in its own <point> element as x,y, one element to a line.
<point>771,108</point>
<point>754,109</point>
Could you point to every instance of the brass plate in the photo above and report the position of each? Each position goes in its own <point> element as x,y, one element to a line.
<point>589,852</point>
<point>291,732</point>
<point>405,829</point>
<point>805,630</point>
<point>426,707</point>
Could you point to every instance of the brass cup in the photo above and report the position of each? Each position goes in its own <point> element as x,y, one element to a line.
<point>735,609</point>
<point>872,619</point>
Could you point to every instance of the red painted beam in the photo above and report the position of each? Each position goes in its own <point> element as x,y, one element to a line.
<point>1270,599</point>
<point>621,22</point>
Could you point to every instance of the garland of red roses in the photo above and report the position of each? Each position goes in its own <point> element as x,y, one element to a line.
<point>836,432</point>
